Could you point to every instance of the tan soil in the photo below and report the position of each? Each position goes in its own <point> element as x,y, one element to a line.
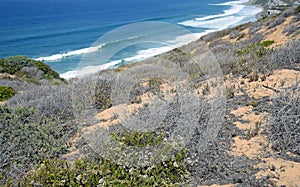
<point>215,185</point>
<point>252,148</point>
<point>286,173</point>
<point>277,34</point>
<point>6,75</point>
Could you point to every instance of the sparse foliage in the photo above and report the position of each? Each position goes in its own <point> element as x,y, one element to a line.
<point>283,126</point>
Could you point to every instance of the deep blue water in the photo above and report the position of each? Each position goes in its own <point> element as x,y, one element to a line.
<point>43,28</point>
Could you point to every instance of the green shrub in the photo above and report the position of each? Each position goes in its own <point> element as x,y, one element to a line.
<point>297,10</point>
<point>6,92</point>
<point>257,49</point>
<point>96,170</point>
<point>154,84</point>
<point>126,66</point>
<point>252,103</point>
<point>103,98</point>
<point>25,141</point>
<point>102,172</point>
<point>230,91</point>
<point>48,72</point>
<point>135,138</point>
<point>14,65</point>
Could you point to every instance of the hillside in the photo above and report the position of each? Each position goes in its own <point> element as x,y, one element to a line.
<point>220,111</point>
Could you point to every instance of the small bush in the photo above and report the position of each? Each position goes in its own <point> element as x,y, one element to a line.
<point>254,76</point>
<point>297,10</point>
<point>254,29</point>
<point>136,138</point>
<point>258,49</point>
<point>48,72</point>
<point>288,13</point>
<point>6,92</point>
<point>230,91</point>
<point>154,84</point>
<point>287,56</point>
<point>95,170</point>
<point>102,172</point>
<point>275,22</point>
<point>252,103</point>
<point>252,132</point>
<point>24,67</point>
<point>284,128</point>
<point>290,29</point>
<point>25,142</point>
<point>235,34</point>
<point>12,65</point>
<point>151,85</point>
<point>103,95</point>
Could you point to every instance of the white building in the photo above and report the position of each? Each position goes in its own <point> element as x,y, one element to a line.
<point>273,12</point>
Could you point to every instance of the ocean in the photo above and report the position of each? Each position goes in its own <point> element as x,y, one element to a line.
<point>61,33</point>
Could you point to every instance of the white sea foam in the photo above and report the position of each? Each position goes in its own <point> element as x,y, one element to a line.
<point>230,17</point>
<point>236,7</point>
<point>219,24</point>
<point>89,70</point>
<point>140,55</point>
<point>87,50</point>
<point>71,53</point>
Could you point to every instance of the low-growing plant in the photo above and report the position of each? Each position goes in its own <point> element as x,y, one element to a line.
<point>286,56</point>
<point>12,65</point>
<point>24,67</point>
<point>275,22</point>
<point>48,72</point>
<point>125,66</point>
<point>253,30</point>
<point>283,126</point>
<point>135,138</point>
<point>136,100</point>
<point>290,29</point>
<point>258,49</point>
<point>103,96</point>
<point>24,142</point>
<point>154,84</point>
<point>236,35</point>
<point>252,103</point>
<point>230,91</point>
<point>254,76</point>
<point>252,132</point>
<point>297,10</point>
<point>96,170</point>
<point>206,89</point>
<point>150,85</point>
<point>6,92</point>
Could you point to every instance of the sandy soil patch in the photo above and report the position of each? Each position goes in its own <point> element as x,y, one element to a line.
<point>285,173</point>
<point>252,148</point>
<point>6,75</point>
<point>282,172</point>
<point>277,35</point>
<point>215,185</point>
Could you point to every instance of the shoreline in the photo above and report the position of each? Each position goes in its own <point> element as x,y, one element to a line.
<point>261,14</point>
<point>95,69</point>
